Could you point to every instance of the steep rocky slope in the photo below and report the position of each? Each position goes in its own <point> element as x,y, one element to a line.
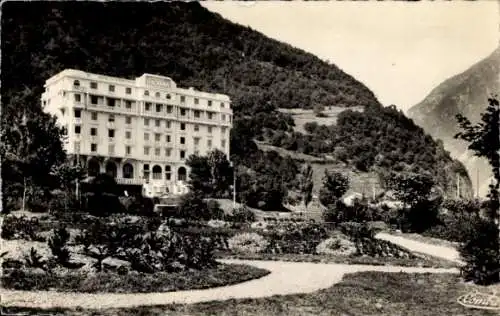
<point>465,93</point>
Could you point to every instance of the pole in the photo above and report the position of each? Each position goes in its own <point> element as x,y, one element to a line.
<point>77,180</point>
<point>373,188</point>
<point>477,183</point>
<point>234,187</point>
<point>24,192</point>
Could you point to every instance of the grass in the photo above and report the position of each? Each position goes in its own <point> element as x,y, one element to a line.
<point>366,293</point>
<point>223,274</point>
<point>303,116</point>
<point>317,258</point>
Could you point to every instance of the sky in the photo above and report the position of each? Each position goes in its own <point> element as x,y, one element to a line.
<point>401,51</point>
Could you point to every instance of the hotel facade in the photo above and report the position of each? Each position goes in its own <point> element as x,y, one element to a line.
<point>139,131</point>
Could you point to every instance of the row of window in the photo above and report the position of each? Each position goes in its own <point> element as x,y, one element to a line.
<point>128,90</point>
<point>93,131</point>
<point>128,121</point>
<point>148,107</point>
<point>157,136</point>
<point>147,150</point>
<point>128,171</point>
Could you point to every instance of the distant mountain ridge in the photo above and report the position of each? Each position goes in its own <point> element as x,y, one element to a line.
<point>465,93</point>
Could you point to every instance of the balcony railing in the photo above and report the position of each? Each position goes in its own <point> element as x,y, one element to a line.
<point>133,181</point>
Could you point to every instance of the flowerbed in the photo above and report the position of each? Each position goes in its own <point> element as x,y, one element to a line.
<point>23,228</point>
<point>133,282</point>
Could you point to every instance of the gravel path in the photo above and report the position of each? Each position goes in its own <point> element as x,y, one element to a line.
<point>443,252</point>
<point>285,278</point>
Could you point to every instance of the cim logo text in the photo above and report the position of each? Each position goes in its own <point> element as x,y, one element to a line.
<point>158,82</point>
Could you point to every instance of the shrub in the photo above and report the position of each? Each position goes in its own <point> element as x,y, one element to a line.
<point>456,224</point>
<point>137,205</point>
<point>336,246</point>
<point>421,216</point>
<point>296,238</point>
<point>248,243</point>
<point>192,207</point>
<point>21,228</point>
<point>356,230</point>
<point>217,223</point>
<point>481,253</point>
<point>214,210</point>
<point>57,244</point>
<point>60,203</point>
<point>34,260</point>
<point>242,215</point>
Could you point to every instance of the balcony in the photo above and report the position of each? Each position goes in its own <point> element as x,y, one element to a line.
<point>77,120</point>
<point>134,181</point>
<point>78,104</point>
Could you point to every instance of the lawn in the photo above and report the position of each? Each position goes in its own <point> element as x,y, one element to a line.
<point>134,282</point>
<point>366,293</point>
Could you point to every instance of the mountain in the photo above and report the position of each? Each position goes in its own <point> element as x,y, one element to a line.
<point>200,49</point>
<point>466,93</point>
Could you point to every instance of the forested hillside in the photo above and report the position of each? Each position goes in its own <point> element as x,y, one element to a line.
<point>200,49</point>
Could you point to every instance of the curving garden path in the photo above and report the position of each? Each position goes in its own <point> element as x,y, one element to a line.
<point>285,278</point>
<point>443,252</point>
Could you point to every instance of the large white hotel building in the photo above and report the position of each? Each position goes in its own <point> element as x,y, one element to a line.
<point>140,131</point>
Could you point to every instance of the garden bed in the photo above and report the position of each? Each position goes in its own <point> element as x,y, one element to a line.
<point>133,282</point>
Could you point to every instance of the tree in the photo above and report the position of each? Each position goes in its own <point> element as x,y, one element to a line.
<point>200,174</point>
<point>306,183</point>
<point>67,176</point>
<point>482,249</point>
<point>318,110</point>
<point>411,188</point>
<point>102,198</point>
<point>335,185</point>
<point>484,141</point>
<point>221,172</point>
<point>30,146</point>
<point>210,175</point>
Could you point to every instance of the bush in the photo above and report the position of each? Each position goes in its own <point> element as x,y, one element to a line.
<point>61,203</point>
<point>481,253</point>
<point>456,224</point>
<point>336,246</point>
<point>57,244</point>
<point>356,230</point>
<point>214,210</point>
<point>148,245</point>
<point>33,259</point>
<point>241,215</point>
<point>217,223</point>
<point>248,243</point>
<point>296,238</point>
<point>421,216</point>
<point>21,228</point>
<point>192,207</point>
<point>137,205</point>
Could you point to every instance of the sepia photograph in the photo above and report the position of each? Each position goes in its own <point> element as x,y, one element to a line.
<point>250,158</point>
